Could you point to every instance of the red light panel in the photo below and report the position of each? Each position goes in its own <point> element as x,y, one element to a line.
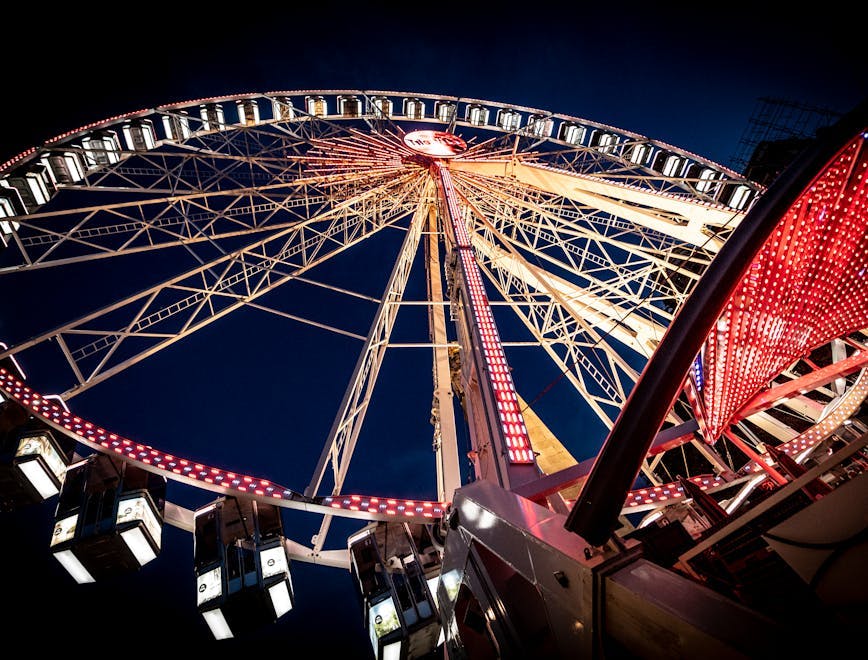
<point>806,286</point>
<point>653,496</point>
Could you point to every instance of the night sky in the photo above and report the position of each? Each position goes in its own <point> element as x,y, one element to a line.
<point>690,78</point>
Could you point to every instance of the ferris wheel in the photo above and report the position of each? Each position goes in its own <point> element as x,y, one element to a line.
<point>576,242</point>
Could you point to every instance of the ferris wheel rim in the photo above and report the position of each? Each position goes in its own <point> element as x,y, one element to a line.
<point>31,153</point>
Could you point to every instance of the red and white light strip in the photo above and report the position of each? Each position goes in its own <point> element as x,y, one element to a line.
<point>653,496</point>
<point>175,467</point>
<point>669,492</point>
<point>822,430</point>
<point>388,506</point>
<point>512,424</point>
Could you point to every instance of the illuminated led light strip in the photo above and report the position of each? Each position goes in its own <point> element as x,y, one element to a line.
<point>512,426</point>
<point>98,124</point>
<point>15,159</point>
<point>805,287</point>
<point>389,506</point>
<point>667,493</point>
<point>104,123</point>
<point>209,99</point>
<point>697,373</point>
<point>159,461</point>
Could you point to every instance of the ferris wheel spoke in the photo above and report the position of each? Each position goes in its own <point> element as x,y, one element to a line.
<point>572,222</point>
<point>341,442</point>
<point>217,174</point>
<point>61,237</point>
<point>577,348</point>
<point>626,161</point>
<point>680,217</point>
<point>225,140</point>
<point>155,172</point>
<point>301,319</point>
<point>262,140</point>
<point>278,158</point>
<point>617,287</point>
<point>304,128</point>
<point>178,307</point>
<point>198,165</point>
<point>608,267</point>
<point>279,145</point>
<point>635,332</point>
<point>342,179</point>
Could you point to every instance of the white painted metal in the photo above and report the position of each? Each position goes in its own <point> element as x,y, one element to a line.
<point>585,242</point>
<point>341,442</point>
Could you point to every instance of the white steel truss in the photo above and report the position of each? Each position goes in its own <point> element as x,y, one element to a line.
<point>592,249</point>
<point>341,442</point>
<point>169,311</point>
<point>68,236</point>
<point>625,267</point>
<point>680,217</point>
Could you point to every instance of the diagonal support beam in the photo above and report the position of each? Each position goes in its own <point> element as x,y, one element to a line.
<point>806,383</point>
<point>340,445</point>
<point>72,235</point>
<point>684,219</point>
<point>638,333</point>
<point>256,269</point>
<point>445,435</point>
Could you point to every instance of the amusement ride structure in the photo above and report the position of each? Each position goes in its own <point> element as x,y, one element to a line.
<point>713,332</point>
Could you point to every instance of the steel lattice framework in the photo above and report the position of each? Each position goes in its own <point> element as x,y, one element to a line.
<point>590,239</point>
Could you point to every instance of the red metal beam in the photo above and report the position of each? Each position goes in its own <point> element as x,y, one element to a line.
<point>549,484</point>
<point>806,383</point>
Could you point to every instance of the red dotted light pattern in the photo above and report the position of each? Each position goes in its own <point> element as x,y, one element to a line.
<point>512,426</point>
<point>806,286</point>
<point>174,467</point>
<point>669,492</point>
<point>97,124</point>
<point>389,506</point>
<point>653,496</point>
<point>15,159</point>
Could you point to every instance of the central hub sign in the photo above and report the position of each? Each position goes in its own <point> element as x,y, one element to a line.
<point>438,144</point>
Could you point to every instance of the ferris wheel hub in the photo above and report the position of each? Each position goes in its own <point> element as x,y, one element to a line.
<point>439,144</point>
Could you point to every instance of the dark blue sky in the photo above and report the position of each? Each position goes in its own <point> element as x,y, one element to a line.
<point>690,78</point>
<point>686,76</point>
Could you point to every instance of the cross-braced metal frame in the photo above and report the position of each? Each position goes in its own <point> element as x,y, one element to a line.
<point>590,238</point>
